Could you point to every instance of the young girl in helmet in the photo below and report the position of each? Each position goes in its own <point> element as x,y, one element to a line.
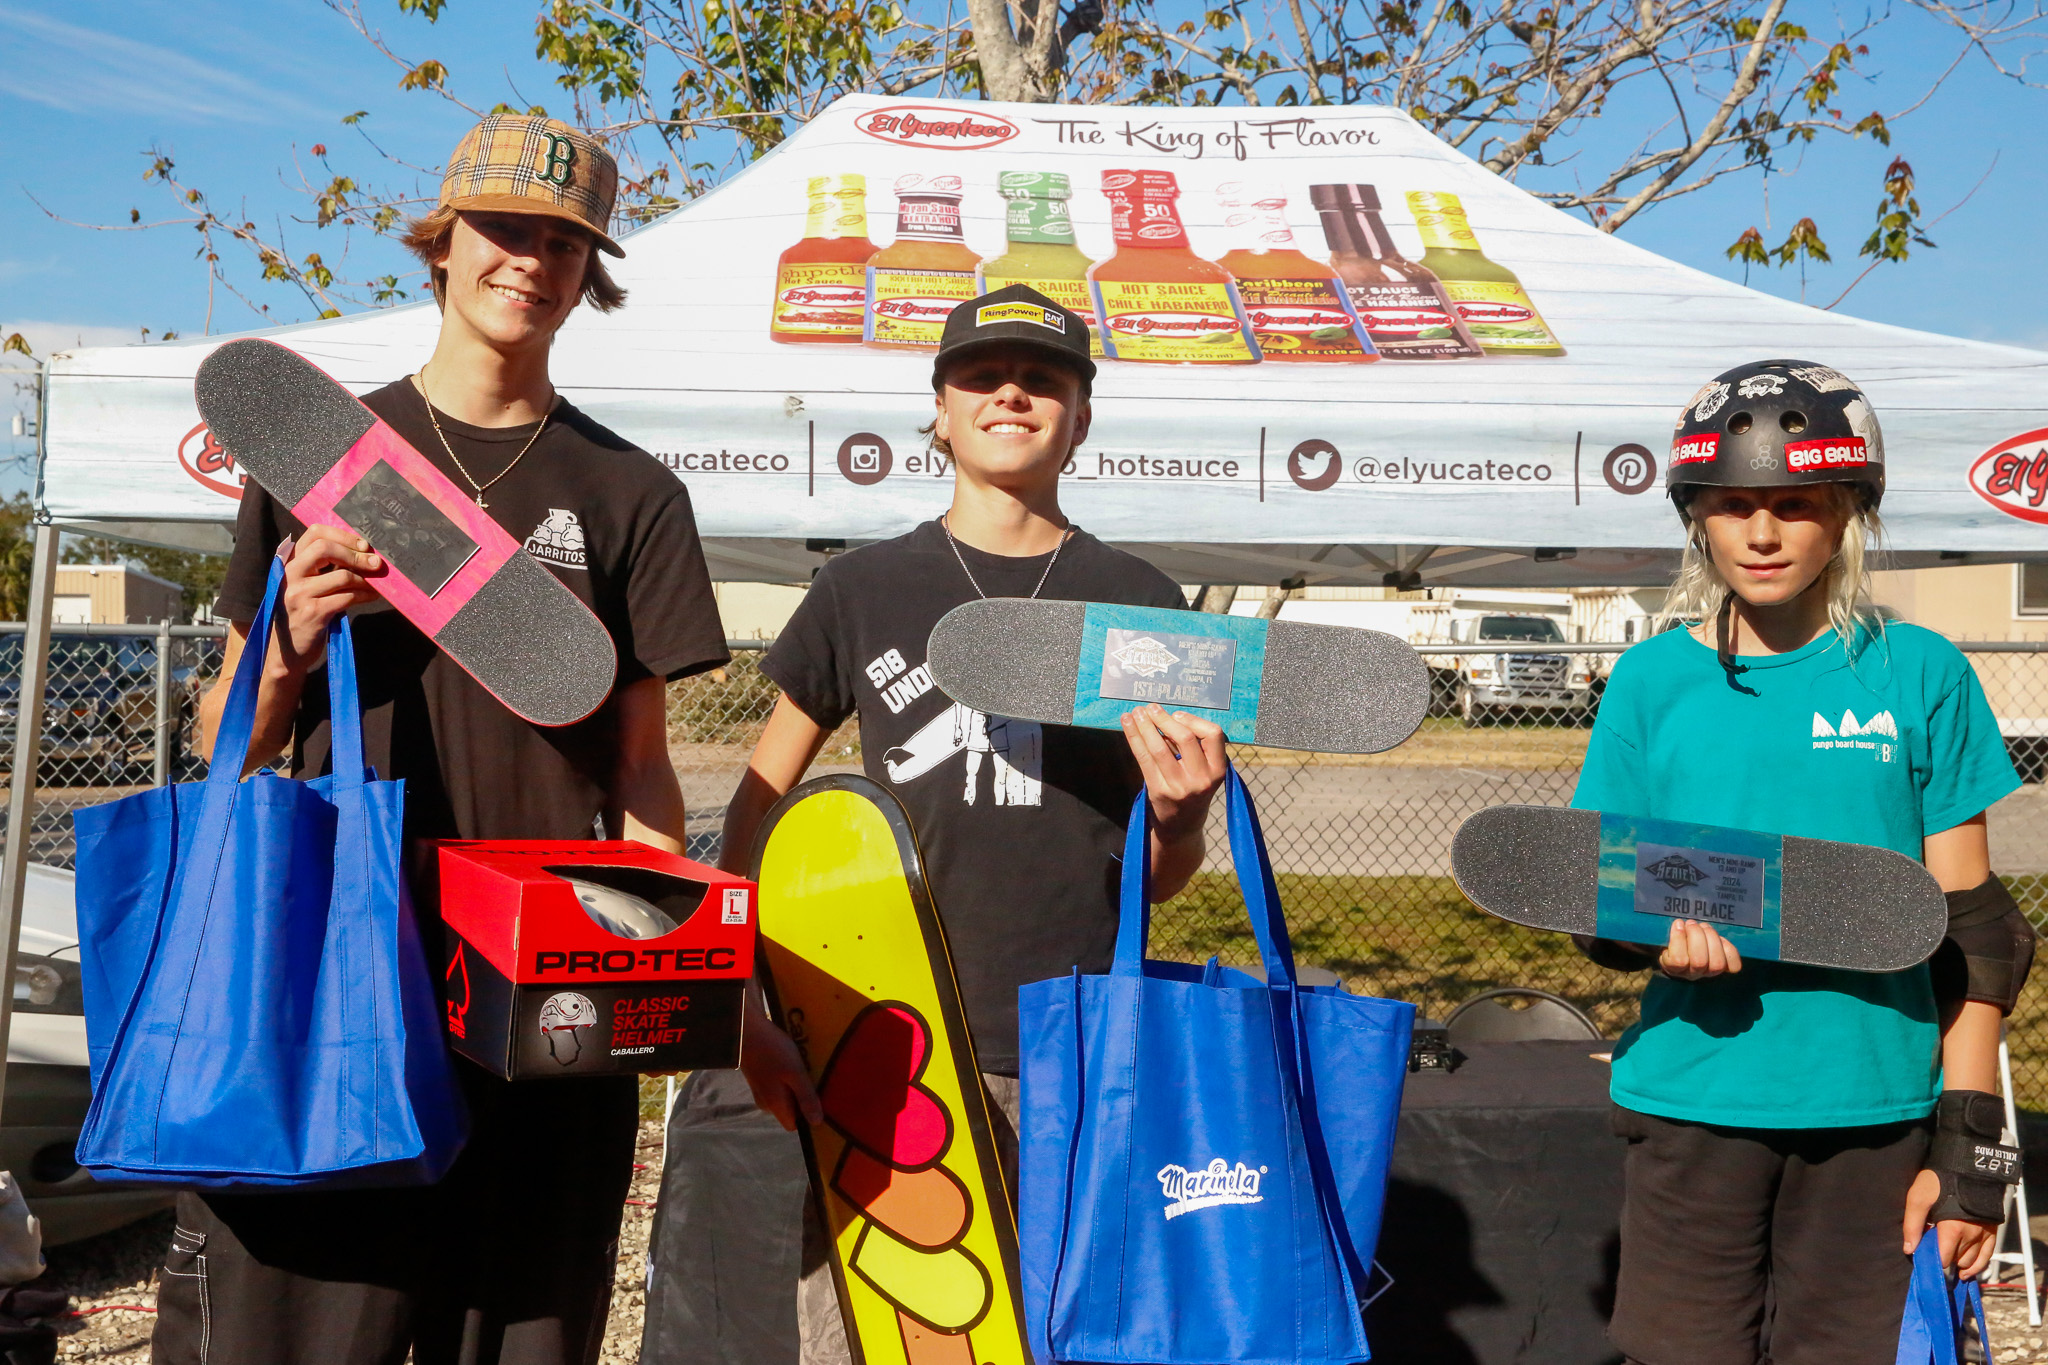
<point>1778,1117</point>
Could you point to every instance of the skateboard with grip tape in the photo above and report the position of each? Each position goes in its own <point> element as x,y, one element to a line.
<point>1776,897</point>
<point>1286,684</point>
<point>904,1168</point>
<point>448,567</point>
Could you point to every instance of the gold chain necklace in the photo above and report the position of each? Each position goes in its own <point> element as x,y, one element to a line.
<point>419,381</point>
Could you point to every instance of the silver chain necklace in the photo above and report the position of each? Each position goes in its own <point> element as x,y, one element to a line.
<point>945,524</point>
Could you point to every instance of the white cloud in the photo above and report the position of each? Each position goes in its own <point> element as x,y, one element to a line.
<point>83,70</point>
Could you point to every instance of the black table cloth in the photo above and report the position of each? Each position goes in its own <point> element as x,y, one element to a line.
<point>1503,1212</point>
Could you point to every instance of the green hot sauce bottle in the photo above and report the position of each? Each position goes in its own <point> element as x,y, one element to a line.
<point>1042,253</point>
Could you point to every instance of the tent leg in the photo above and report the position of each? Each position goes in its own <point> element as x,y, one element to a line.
<point>2017,1216</point>
<point>28,743</point>
<point>166,717</point>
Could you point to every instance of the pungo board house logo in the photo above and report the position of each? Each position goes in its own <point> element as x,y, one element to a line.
<point>2013,476</point>
<point>913,125</point>
<point>203,458</point>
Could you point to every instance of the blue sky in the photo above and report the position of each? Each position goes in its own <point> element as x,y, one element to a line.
<point>237,92</point>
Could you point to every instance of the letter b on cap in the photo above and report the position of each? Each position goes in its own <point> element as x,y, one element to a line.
<point>561,162</point>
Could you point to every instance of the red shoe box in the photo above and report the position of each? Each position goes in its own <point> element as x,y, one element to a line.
<point>537,985</point>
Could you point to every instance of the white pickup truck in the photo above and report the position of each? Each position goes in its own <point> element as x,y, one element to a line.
<point>1520,677</point>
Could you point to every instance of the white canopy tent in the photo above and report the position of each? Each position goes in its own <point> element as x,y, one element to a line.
<point>1497,472</point>
<point>1502,471</point>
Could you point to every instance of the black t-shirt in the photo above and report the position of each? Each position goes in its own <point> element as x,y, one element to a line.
<point>1021,825</point>
<point>611,523</point>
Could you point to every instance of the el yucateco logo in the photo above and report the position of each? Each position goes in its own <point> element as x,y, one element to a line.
<point>1695,449</point>
<point>1209,1186</point>
<point>911,125</point>
<point>203,458</point>
<point>2013,476</point>
<point>1839,452</point>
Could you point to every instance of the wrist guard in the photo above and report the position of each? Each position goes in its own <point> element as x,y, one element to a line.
<point>1975,1166</point>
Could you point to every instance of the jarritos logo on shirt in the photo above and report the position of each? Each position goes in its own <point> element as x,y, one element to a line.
<point>914,125</point>
<point>1839,452</point>
<point>2013,476</point>
<point>209,464</point>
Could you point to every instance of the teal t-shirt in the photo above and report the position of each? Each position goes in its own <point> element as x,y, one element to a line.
<point>1885,749</point>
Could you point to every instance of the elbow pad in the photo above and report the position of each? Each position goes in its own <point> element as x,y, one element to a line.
<point>1970,1155</point>
<point>1616,956</point>
<point>1989,949</point>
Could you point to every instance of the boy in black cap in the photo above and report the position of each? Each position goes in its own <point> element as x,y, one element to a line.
<point>1021,825</point>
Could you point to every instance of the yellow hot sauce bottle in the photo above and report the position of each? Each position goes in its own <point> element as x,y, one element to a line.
<point>1502,317</point>
<point>916,282</point>
<point>1157,300</point>
<point>1042,252</point>
<point>821,283</point>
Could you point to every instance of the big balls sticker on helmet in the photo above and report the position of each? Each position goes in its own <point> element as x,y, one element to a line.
<point>2013,476</point>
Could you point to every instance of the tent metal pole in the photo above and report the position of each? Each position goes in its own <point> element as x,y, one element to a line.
<point>164,717</point>
<point>28,744</point>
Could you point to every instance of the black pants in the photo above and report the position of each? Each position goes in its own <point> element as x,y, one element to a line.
<point>508,1261</point>
<point>1741,1245</point>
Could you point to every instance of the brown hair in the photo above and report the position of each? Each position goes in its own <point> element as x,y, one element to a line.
<point>428,238</point>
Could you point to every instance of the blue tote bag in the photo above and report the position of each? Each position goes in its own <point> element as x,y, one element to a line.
<point>1931,1332</point>
<point>258,1008</point>
<point>1203,1155</point>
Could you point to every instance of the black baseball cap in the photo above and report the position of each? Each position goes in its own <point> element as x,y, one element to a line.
<point>1017,314</point>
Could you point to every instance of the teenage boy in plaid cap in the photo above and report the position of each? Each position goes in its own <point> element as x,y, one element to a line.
<point>510,1258</point>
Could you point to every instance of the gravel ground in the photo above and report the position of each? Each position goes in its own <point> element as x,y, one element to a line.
<point>117,1273</point>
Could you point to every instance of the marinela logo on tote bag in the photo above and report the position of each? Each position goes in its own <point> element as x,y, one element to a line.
<point>1209,1186</point>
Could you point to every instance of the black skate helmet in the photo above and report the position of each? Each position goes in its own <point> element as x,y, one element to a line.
<point>1777,424</point>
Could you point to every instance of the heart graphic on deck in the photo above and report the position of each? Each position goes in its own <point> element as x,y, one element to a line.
<point>871,1093</point>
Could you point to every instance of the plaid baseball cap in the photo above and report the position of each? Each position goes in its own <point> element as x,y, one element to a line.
<point>520,164</point>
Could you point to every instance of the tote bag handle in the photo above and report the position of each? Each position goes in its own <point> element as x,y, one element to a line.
<point>238,716</point>
<point>1247,855</point>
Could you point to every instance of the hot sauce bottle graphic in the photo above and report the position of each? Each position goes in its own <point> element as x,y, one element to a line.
<point>1157,300</point>
<point>1489,298</point>
<point>1403,306</point>
<point>821,283</point>
<point>917,281</point>
<point>1042,253</point>
<point>1296,307</point>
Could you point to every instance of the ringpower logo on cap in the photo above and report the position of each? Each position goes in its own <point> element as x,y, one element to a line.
<point>2013,476</point>
<point>989,314</point>
<point>915,125</point>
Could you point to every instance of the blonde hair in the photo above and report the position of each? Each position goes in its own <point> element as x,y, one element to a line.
<point>427,238</point>
<point>1698,591</point>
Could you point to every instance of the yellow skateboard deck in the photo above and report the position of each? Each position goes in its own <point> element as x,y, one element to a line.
<point>904,1168</point>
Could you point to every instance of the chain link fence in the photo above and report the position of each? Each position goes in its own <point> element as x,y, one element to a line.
<point>1360,845</point>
